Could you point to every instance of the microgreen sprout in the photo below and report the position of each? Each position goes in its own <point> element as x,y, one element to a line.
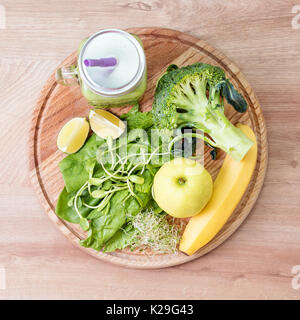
<point>156,232</point>
<point>77,201</point>
<point>136,179</point>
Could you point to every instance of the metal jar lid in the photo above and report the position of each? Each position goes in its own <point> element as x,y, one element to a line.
<point>96,86</point>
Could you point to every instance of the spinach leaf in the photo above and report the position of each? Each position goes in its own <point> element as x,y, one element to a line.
<point>104,227</point>
<point>122,239</point>
<point>146,186</point>
<point>137,119</point>
<point>107,224</point>
<point>144,199</point>
<point>74,167</point>
<point>65,207</point>
<point>132,207</point>
<point>84,224</point>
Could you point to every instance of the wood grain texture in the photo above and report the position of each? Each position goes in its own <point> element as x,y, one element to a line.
<point>58,104</point>
<point>257,261</point>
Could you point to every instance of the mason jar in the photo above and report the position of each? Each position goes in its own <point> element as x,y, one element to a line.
<point>111,69</point>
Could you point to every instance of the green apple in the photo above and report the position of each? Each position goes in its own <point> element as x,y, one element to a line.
<point>182,187</point>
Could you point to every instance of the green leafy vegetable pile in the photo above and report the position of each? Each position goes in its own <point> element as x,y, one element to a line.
<point>106,187</point>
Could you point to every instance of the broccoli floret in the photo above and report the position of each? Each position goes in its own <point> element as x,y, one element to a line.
<point>193,96</point>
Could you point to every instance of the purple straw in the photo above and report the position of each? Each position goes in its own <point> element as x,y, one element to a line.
<point>103,62</point>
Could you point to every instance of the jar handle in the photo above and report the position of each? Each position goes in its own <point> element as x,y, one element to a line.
<point>67,76</point>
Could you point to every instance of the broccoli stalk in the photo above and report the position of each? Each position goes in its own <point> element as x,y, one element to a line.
<point>193,96</point>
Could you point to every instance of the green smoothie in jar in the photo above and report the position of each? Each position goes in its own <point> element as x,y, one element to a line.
<point>111,69</point>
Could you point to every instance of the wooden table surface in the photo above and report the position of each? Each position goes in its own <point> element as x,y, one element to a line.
<point>261,260</point>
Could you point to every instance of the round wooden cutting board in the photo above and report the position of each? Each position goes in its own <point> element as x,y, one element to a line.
<point>58,104</point>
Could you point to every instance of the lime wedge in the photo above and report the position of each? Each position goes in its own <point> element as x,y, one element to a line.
<point>72,135</point>
<point>106,124</point>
